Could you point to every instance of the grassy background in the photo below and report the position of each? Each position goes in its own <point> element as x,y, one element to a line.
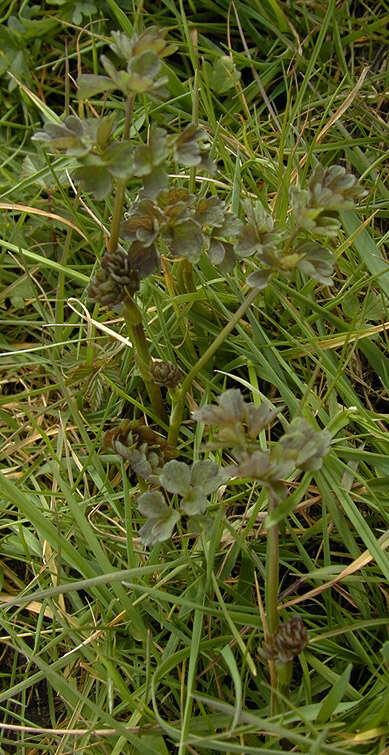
<point>156,651</point>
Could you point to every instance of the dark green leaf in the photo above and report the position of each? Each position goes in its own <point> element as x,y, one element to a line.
<point>161,519</point>
<point>152,504</point>
<point>200,523</point>
<point>228,262</point>
<point>206,476</point>
<point>216,252</point>
<point>191,147</point>
<point>194,502</point>
<point>210,211</point>
<point>90,84</point>
<point>122,45</point>
<point>186,240</point>
<point>61,135</point>
<point>94,178</point>
<point>176,477</point>
<point>104,130</point>
<point>232,226</point>
<point>223,75</point>
<point>258,279</point>
<point>143,222</point>
<point>146,66</point>
<point>120,79</point>
<point>143,259</point>
<point>316,261</point>
<point>154,153</point>
<point>118,159</point>
<point>155,182</point>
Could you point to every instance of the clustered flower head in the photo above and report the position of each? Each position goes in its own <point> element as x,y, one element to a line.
<point>165,373</point>
<point>119,274</point>
<point>100,160</point>
<point>236,419</point>
<point>171,215</point>
<point>288,641</point>
<point>333,188</point>
<point>140,445</point>
<point>114,281</point>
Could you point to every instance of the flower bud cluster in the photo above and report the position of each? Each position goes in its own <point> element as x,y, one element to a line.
<point>140,445</point>
<point>115,280</point>
<point>165,373</point>
<point>288,641</point>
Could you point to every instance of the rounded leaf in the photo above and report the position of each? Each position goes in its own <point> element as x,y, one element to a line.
<point>176,477</point>
<point>152,504</point>
<point>206,476</point>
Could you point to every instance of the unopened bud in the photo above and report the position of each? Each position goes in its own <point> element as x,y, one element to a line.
<point>288,641</point>
<point>165,373</point>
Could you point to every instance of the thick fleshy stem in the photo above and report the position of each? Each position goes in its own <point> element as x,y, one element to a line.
<point>121,185</point>
<point>178,407</point>
<point>186,270</point>
<point>132,315</point>
<point>272,571</point>
<point>271,595</point>
<point>133,318</point>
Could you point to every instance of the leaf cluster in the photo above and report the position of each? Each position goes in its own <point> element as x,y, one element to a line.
<point>187,225</point>
<point>100,160</point>
<point>313,218</point>
<point>190,225</point>
<point>142,72</point>
<point>192,484</point>
<point>222,75</point>
<point>329,191</point>
<point>238,424</point>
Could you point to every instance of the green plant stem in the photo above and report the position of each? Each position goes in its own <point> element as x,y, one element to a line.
<point>272,573</point>
<point>178,408</point>
<point>60,296</point>
<point>133,318</point>
<point>195,121</point>
<point>185,278</point>
<point>121,185</point>
<point>284,677</point>
<point>185,272</point>
<point>59,301</point>
<point>271,595</point>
